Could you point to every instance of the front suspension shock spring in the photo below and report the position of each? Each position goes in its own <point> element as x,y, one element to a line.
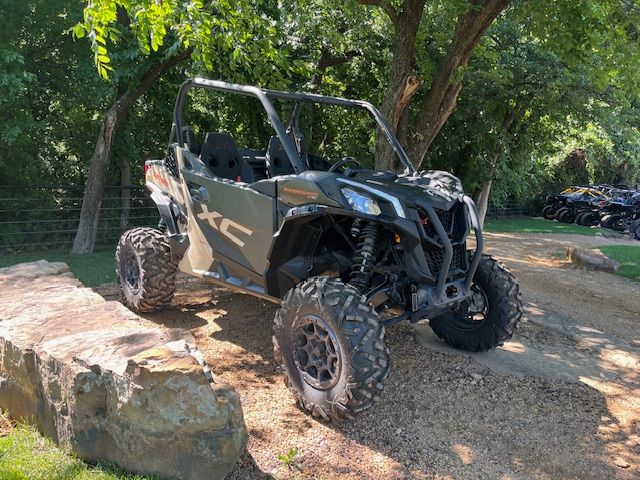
<point>361,268</point>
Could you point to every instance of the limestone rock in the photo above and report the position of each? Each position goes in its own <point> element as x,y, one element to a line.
<point>592,259</point>
<point>34,269</point>
<point>93,378</point>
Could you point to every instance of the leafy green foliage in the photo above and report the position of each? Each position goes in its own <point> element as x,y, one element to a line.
<point>290,459</point>
<point>231,38</point>
<point>531,98</point>
<point>563,70</point>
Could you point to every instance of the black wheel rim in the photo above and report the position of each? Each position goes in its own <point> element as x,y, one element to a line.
<point>317,352</point>
<point>131,271</point>
<point>471,314</point>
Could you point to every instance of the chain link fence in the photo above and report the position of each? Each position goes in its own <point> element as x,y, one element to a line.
<point>47,217</point>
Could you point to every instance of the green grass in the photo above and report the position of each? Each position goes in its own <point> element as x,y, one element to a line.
<point>25,455</point>
<point>92,270</point>
<point>628,256</point>
<point>535,225</point>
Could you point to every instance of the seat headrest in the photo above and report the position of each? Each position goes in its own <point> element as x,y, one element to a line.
<point>276,152</point>
<point>220,150</point>
<point>190,139</point>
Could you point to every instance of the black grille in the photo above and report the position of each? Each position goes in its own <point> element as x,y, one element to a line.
<point>454,224</point>
<point>435,257</point>
<point>446,217</point>
<point>171,163</point>
<point>459,257</point>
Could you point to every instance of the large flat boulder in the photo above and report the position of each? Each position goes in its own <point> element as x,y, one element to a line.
<point>592,259</point>
<point>92,377</point>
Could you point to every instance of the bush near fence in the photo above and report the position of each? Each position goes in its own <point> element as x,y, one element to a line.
<point>47,217</point>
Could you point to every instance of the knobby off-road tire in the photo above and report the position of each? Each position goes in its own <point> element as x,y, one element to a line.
<point>585,219</point>
<point>146,274</point>
<point>565,215</point>
<point>613,222</point>
<point>635,229</point>
<point>548,213</point>
<point>590,219</point>
<point>323,315</point>
<point>503,311</point>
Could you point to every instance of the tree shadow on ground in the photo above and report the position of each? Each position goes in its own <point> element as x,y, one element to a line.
<point>435,417</point>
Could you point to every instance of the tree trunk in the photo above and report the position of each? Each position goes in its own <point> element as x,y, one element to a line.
<point>482,195</point>
<point>94,188</point>
<point>125,193</point>
<point>85,239</point>
<point>440,101</point>
<point>482,199</point>
<point>402,83</point>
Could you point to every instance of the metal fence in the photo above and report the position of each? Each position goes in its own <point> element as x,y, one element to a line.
<point>514,209</point>
<point>43,218</point>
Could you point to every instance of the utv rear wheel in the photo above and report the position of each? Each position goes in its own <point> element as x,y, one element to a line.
<point>331,347</point>
<point>489,317</point>
<point>144,268</point>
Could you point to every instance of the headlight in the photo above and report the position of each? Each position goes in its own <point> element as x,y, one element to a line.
<point>361,203</point>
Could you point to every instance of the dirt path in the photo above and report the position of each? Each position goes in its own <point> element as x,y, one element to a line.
<point>573,414</point>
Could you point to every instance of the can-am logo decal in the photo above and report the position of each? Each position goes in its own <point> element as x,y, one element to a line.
<point>224,225</point>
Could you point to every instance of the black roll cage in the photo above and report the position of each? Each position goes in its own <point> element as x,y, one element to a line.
<point>265,96</point>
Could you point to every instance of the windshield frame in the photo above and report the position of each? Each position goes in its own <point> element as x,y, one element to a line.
<point>265,96</point>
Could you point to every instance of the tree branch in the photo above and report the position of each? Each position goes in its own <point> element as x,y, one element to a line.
<point>384,5</point>
<point>327,59</point>
<point>150,77</point>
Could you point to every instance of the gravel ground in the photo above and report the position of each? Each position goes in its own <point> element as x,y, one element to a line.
<point>444,415</point>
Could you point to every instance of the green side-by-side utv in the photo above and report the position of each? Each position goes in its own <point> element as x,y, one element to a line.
<point>344,250</point>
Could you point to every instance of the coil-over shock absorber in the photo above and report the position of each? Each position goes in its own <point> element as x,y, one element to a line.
<point>365,252</point>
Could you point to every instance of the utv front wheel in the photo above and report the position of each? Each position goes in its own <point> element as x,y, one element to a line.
<point>548,212</point>
<point>489,317</point>
<point>146,274</point>
<point>332,348</point>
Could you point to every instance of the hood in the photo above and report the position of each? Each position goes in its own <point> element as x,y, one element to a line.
<point>442,190</point>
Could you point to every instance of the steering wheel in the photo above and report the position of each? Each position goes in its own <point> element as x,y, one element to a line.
<point>344,161</point>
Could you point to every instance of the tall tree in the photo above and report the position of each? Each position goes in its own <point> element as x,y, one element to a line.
<point>445,83</point>
<point>227,37</point>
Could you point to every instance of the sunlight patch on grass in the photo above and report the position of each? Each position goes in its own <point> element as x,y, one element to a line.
<point>536,225</point>
<point>26,455</point>
<point>628,256</point>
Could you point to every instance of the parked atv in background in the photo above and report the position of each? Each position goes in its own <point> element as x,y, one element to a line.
<point>620,213</point>
<point>577,203</point>
<point>554,202</point>
<point>344,250</point>
<point>615,207</point>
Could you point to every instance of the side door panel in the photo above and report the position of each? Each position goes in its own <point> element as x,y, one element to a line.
<point>236,221</point>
